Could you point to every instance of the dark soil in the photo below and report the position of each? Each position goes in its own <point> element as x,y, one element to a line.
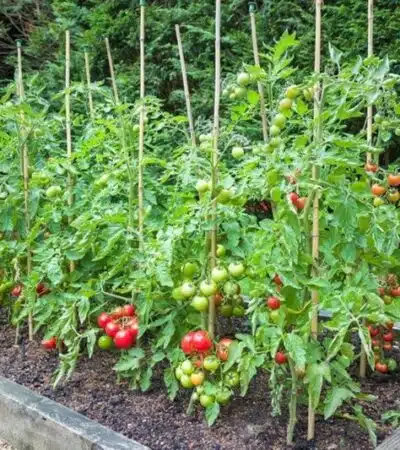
<point>152,419</point>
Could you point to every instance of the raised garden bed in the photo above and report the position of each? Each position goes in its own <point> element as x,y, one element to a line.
<point>153,420</point>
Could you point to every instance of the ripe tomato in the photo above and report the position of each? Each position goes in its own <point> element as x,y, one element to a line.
<point>381,367</point>
<point>301,203</point>
<point>277,280</point>
<point>124,339</point>
<point>381,291</point>
<point>388,346</point>
<point>395,292</point>
<point>133,327</point>
<point>293,197</point>
<point>128,310</point>
<point>103,320</point>
<point>223,349</point>
<point>388,337</point>
<point>197,378</point>
<point>49,344</point>
<point>378,190</point>
<point>371,167</point>
<point>394,180</point>
<point>117,313</point>
<point>17,291</point>
<point>201,341</point>
<point>42,289</point>
<point>218,298</point>
<point>273,302</point>
<point>373,331</point>
<point>111,328</point>
<point>105,342</point>
<point>280,358</point>
<point>187,343</point>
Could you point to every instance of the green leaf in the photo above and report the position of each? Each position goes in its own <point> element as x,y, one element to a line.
<point>335,398</point>
<point>296,349</point>
<point>315,376</point>
<point>212,413</point>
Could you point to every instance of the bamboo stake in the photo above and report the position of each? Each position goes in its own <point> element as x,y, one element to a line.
<point>315,175</point>
<point>214,156</point>
<point>263,114</point>
<point>141,126</point>
<point>363,355</point>
<point>112,74</point>
<point>89,84</point>
<point>25,174</point>
<point>70,180</point>
<point>185,85</point>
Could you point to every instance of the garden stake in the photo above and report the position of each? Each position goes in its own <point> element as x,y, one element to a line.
<point>214,156</point>
<point>185,86</point>
<point>252,8</point>
<point>68,123</point>
<point>112,74</point>
<point>25,175</point>
<point>363,355</point>
<point>315,175</point>
<point>89,84</point>
<point>141,126</point>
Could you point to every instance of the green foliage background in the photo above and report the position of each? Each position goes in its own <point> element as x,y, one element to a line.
<point>41,24</point>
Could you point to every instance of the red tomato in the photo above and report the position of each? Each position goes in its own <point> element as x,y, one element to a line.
<point>381,367</point>
<point>17,291</point>
<point>277,280</point>
<point>301,203</point>
<point>223,349</point>
<point>273,302</point>
<point>128,310</point>
<point>133,329</point>
<point>112,328</point>
<point>103,320</point>
<point>388,337</point>
<point>201,341</point>
<point>388,346</point>
<point>124,339</point>
<point>371,167</point>
<point>117,313</point>
<point>280,358</point>
<point>42,289</point>
<point>373,331</point>
<point>378,190</point>
<point>49,344</point>
<point>218,298</point>
<point>381,291</point>
<point>187,343</point>
<point>198,362</point>
<point>293,197</point>
<point>394,180</point>
<point>395,292</point>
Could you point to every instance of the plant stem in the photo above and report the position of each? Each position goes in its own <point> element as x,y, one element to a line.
<point>214,157</point>
<point>292,405</point>
<point>185,86</point>
<point>89,84</point>
<point>112,74</point>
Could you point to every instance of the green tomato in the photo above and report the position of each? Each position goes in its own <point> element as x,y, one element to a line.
<point>53,192</point>
<point>397,131</point>
<point>208,288</point>
<point>189,269</point>
<point>279,120</point>
<point>275,142</point>
<point>237,152</point>
<point>285,104</point>
<point>187,367</point>
<point>211,363</point>
<point>224,196</point>
<point>232,379</point>
<point>238,311</point>
<point>40,178</point>
<point>203,186</point>
<point>387,299</point>
<point>177,294</point>
<point>206,400</point>
<point>185,381</point>
<point>206,147</point>
<point>243,79</point>
<point>199,303</point>
<point>241,92</point>
<point>178,373</point>
<point>219,274</point>
<point>105,342</point>
<point>274,316</point>
<point>378,202</point>
<point>188,290</point>
<point>232,96</point>
<point>236,269</point>
<point>292,92</point>
<point>205,137</point>
<point>221,251</point>
<point>392,364</point>
<point>276,194</point>
<point>103,180</point>
<point>274,130</point>
<point>231,288</point>
<point>223,396</point>
<point>378,118</point>
<point>200,390</point>
<point>226,310</point>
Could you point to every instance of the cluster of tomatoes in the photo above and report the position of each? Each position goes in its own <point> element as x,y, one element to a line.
<point>202,364</point>
<point>382,338</point>
<point>121,328</point>
<point>380,191</point>
<point>298,202</point>
<point>238,90</point>
<point>221,288</point>
<point>259,208</point>
<point>41,289</point>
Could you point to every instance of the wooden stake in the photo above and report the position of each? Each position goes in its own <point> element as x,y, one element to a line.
<point>112,74</point>
<point>25,175</point>
<point>89,84</point>
<point>70,180</point>
<point>363,355</point>
<point>185,85</point>
<point>214,157</point>
<point>315,176</point>
<point>141,126</point>
<point>257,63</point>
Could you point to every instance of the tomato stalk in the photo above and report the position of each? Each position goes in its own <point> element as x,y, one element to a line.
<point>88,83</point>
<point>263,114</point>
<point>185,86</point>
<point>25,175</point>
<point>112,73</point>
<point>315,176</point>
<point>292,404</point>
<point>214,157</point>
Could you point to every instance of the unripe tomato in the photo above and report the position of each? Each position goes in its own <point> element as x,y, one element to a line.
<point>378,190</point>
<point>211,363</point>
<point>243,79</point>
<point>393,196</point>
<point>206,400</point>
<point>279,120</point>
<point>208,288</point>
<point>219,274</point>
<point>274,130</point>
<point>54,192</point>
<point>187,367</point>
<point>202,186</point>
<point>236,269</point>
<point>280,358</point>
<point>226,310</point>
<point>197,378</point>
<point>124,339</point>
<point>237,152</point>
<point>238,311</point>
<point>394,180</point>
<point>178,372</point>
<point>223,396</point>
<point>285,104</point>
<point>188,290</point>
<point>273,302</point>
<point>220,251</point>
<point>392,364</point>
<point>185,381</point>
<point>177,294</point>
<point>387,299</point>
<point>223,349</point>
<point>232,379</point>
<point>190,269</point>
<point>292,92</point>
<point>103,320</point>
<point>199,303</point>
<point>231,288</point>
<point>105,342</point>
<point>240,92</point>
